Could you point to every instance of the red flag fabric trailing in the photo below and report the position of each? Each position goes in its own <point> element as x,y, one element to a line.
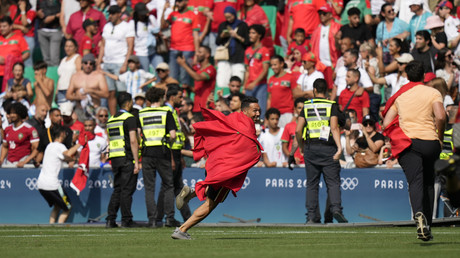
<point>231,147</point>
<point>399,140</point>
<point>81,175</point>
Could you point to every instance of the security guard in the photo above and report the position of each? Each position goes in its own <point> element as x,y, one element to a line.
<point>159,131</point>
<point>322,150</point>
<point>447,145</point>
<point>122,132</point>
<point>174,100</point>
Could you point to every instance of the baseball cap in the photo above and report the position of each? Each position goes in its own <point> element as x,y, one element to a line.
<point>66,108</point>
<point>325,8</point>
<point>309,57</point>
<point>89,22</point>
<point>139,95</point>
<point>446,3</point>
<point>163,66</point>
<point>428,77</point>
<point>88,58</point>
<point>368,118</point>
<point>114,9</point>
<point>405,58</point>
<point>134,59</point>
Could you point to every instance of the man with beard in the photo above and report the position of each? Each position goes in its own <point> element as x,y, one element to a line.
<point>38,122</point>
<point>87,86</point>
<point>204,75</point>
<point>102,116</point>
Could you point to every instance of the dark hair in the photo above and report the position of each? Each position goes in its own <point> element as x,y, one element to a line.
<point>415,71</point>
<point>353,11</point>
<point>123,98</point>
<point>353,52</point>
<point>56,131</point>
<point>19,109</point>
<point>402,44</point>
<point>299,100</point>
<point>40,65</point>
<point>6,19</point>
<point>155,94</point>
<point>188,101</point>
<point>425,34</point>
<point>272,111</point>
<point>350,110</point>
<point>240,95</point>
<point>260,29</point>
<point>235,79</point>
<point>208,49</point>
<point>320,85</point>
<point>441,59</point>
<point>140,18</point>
<point>173,89</point>
<point>280,59</point>
<point>52,110</point>
<point>74,42</point>
<point>355,72</point>
<point>352,41</point>
<point>299,30</point>
<point>21,64</point>
<point>247,101</point>
<point>382,10</point>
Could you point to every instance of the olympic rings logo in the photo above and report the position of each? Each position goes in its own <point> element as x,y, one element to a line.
<point>247,181</point>
<point>349,183</point>
<point>31,183</point>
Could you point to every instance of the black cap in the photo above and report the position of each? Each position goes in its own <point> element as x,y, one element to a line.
<point>89,22</point>
<point>368,118</point>
<point>141,9</point>
<point>114,9</point>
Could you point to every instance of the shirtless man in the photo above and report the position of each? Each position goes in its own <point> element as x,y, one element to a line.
<point>43,86</point>
<point>88,86</point>
<point>163,74</point>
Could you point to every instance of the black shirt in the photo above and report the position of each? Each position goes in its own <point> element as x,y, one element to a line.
<point>362,143</point>
<point>441,37</point>
<point>427,58</point>
<point>45,138</point>
<point>41,130</point>
<point>162,151</point>
<point>361,33</point>
<point>335,111</point>
<point>243,31</point>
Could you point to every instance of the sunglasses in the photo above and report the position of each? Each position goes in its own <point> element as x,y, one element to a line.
<point>366,124</point>
<point>391,11</point>
<point>161,70</point>
<point>103,115</point>
<point>89,63</point>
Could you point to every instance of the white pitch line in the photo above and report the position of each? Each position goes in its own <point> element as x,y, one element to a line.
<point>73,235</point>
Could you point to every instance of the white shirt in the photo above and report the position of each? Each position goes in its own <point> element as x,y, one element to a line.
<point>52,163</point>
<point>395,83</point>
<point>402,6</point>
<point>99,131</point>
<point>141,36</point>
<point>450,27</point>
<point>341,83</point>
<point>272,146</point>
<point>65,71</point>
<point>97,146</point>
<point>324,52</point>
<point>116,47</point>
<point>306,81</point>
<point>159,6</point>
<point>134,80</point>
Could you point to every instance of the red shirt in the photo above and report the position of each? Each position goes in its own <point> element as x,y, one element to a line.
<point>289,137</point>
<point>357,103</point>
<point>31,14</point>
<point>334,13</point>
<point>255,58</point>
<point>218,8</point>
<point>305,15</point>
<point>15,45</point>
<point>198,7</point>
<point>256,15</point>
<point>19,141</point>
<point>285,24</point>
<point>294,44</point>
<point>87,43</point>
<point>182,27</point>
<point>280,89</point>
<point>75,25</point>
<point>205,87</point>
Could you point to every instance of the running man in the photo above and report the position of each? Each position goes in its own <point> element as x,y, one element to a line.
<point>231,146</point>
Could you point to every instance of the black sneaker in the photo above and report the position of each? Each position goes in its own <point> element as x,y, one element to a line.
<point>339,217</point>
<point>423,230</point>
<point>130,224</point>
<point>111,224</point>
<point>172,223</point>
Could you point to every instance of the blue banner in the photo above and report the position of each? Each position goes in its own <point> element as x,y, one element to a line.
<point>269,195</point>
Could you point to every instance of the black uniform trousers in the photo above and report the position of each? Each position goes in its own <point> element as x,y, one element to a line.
<point>178,184</point>
<point>124,185</point>
<point>417,162</point>
<point>319,160</point>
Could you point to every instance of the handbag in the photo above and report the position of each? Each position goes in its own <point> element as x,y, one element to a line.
<point>222,52</point>
<point>365,158</point>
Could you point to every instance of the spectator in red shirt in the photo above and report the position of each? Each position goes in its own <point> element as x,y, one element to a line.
<point>289,144</point>
<point>204,75</point>
<point>200,8</point>
<point>300,39</point>
<point>23,21</point>
<point>252,14</point>
<point>257,60</point>
<point>13,48</point>
<point>280,87</point>
<point>361,103</point>
<point>69,121</point>
<point>184,38</point>
<point>74,27</point>
<point>87,44</point>
<point>304,14</point>
<point>21,139</point>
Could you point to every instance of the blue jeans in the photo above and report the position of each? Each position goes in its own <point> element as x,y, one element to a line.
<point>31,43</point>
<point>175,70</point>
<point>155,60</point>
<point>260,92</point>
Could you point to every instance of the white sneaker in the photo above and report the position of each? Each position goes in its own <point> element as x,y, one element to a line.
<point>183,197</point>
<point>177,234</point>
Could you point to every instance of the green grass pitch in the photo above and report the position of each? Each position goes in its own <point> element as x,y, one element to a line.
<point>76,241</point>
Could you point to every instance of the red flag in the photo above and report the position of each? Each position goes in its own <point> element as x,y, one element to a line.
<point>82,173</point>
<point>231,146</point>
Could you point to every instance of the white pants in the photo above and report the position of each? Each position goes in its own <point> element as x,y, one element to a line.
<point>225,70</point>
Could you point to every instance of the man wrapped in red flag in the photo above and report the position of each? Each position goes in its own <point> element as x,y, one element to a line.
<point>82,173</point>
<point>231,146</point>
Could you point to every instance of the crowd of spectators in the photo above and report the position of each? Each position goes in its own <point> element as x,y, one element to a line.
<point>273,50</point>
